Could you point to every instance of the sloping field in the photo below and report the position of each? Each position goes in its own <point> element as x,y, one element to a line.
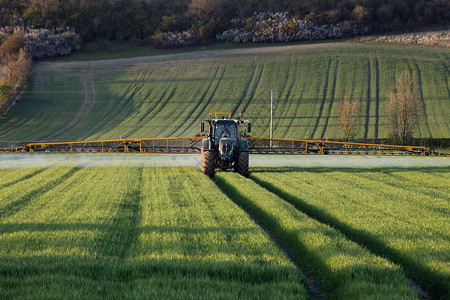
<point>167,96</point>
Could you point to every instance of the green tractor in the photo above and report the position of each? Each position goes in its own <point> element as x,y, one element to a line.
<point>224,147</point>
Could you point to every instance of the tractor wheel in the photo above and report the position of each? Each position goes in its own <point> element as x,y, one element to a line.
<point>242,164</point>
<point>208,161</point>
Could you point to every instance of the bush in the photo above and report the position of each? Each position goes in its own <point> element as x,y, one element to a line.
<point>164,40</point>
<point>42,43</point>
<point>12,43</point>
<point>280,28</point>
<point>5,91</point>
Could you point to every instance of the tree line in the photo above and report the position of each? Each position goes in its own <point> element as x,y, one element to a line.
<point>138,20</point>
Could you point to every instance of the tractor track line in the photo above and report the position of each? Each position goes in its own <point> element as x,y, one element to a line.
<point>366,126</point>
<point>151,111</point>
<point>253,91</point>
<point>314,286</point>
<point>163,105</point>
<point>208,101</point>
<point>37,81</point>
<point>5,185</point>
<point>81,113</point>
<point>245,91</point>
<point>283,88</point>
<point>41,111</point>
<point>199,101</point>
<point>84,110</point>
<point>333,93</point>
<point>361,238</point>
<point>115,110</point>
<point>323,99</point>
<point>17,205</point>
<point>377,97</point>
<point>422,100</point>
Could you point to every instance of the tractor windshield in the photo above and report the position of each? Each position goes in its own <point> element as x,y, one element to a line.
<point>225,129</point>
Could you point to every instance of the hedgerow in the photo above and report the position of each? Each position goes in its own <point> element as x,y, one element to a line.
<point>183,39</point>
<point>43,43</point>
<point>279,27</point>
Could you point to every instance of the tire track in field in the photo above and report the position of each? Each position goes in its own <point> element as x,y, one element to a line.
<point>366,125</point>
<point>316,287</point>
<point>360,237</point>
<point>47,117</point>
<point>17,205</point>
<point>333,92</point>
<point>377,97</point>
<point>150,112</point>
<point>325,90</point>
<point>205,105</point>
<point>115,110</point>
<point>422,100</point>
<point>244,94</point>
<point>37,81</point>
<point>160,107</point>
<point>5,185</point>
<point>289,90</point>
<point>199,101</point>
<point>253,90</point>
<point>122,232</point>
<point>83,112</point>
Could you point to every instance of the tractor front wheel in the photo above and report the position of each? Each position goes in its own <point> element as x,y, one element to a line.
<point>242,164</point>
<point>208,161</point>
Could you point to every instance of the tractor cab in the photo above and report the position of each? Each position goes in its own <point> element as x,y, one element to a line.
<point>225,129</point>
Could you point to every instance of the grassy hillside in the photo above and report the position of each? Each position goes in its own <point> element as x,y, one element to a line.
<point>167,96</point>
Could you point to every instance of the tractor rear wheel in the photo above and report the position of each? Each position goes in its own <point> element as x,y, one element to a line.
<point>208,161</point>
<point>242,163</point>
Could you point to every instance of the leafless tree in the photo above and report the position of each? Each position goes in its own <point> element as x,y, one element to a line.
<point>16,67</point>
<point>349,112</point>
<point>403,108</point>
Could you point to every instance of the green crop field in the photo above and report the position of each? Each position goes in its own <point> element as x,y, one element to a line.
<point>168,95</point>
<point>399,214</point>
<point>132,232</point>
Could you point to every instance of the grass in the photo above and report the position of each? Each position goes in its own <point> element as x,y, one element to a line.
<point>350,271</point>
<point>399,214</point>
<point>133,233</point>
<point>163,96</point>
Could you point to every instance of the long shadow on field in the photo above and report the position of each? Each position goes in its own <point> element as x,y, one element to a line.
<point>123,232</point>
<point>437,286</point>
<point>322,280</point>
<point>317,286</point>
<point>28,176</point>
<point>17,205</point>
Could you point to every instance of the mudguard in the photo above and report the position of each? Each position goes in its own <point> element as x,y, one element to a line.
<point>243,145</point>
<point>206,144</point>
